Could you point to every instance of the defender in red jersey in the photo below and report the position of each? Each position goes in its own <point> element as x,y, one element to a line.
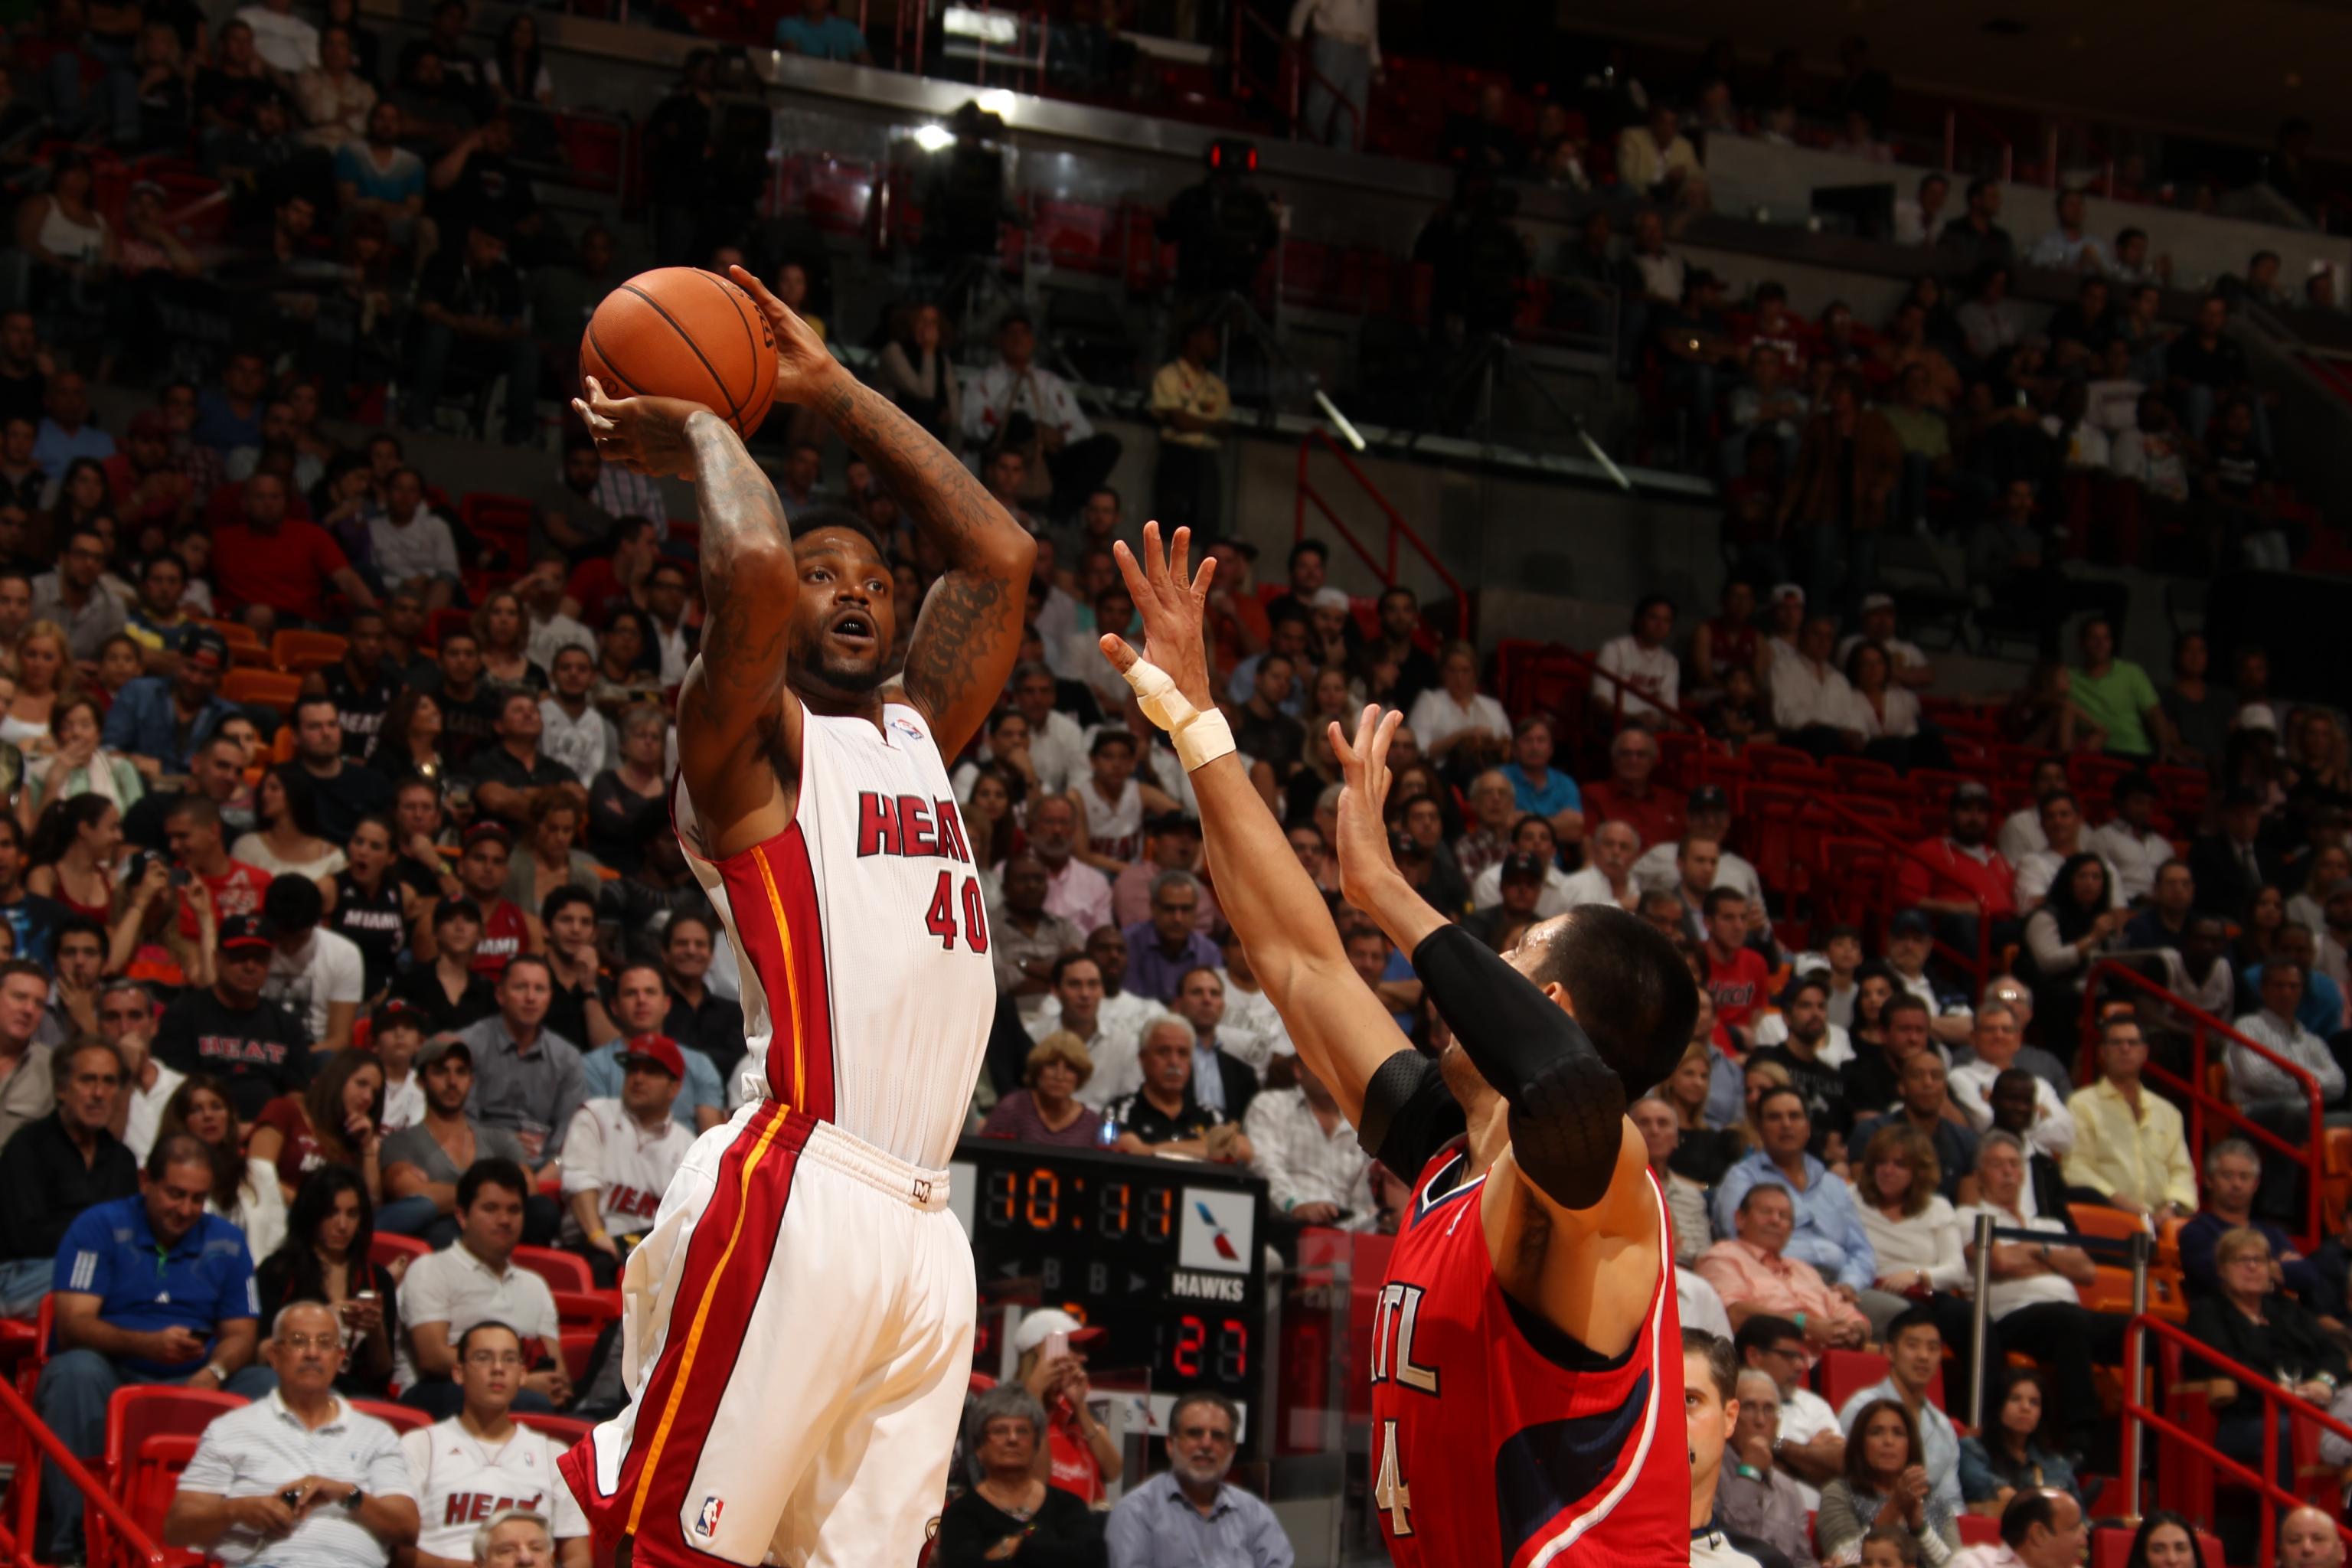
<point>1527,1368</point>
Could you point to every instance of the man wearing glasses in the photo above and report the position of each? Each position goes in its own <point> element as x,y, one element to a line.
<point>1190,1514</point>
<point>297,1476</point>
<point>1810,1446</point>
<point>475,1470</point>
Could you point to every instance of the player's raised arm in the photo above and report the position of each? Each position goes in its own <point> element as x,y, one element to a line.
<point>729,707</point>
<point>969,632</point>
<point>1341,1030</point>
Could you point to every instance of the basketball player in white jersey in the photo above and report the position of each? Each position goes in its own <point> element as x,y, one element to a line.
<point>481,1460</point>
<point>798,1321</point>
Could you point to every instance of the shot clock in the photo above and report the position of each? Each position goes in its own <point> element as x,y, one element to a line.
<point>1164,1255</point>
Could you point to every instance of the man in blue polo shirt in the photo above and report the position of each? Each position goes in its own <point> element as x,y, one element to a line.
<point>148,1289</point>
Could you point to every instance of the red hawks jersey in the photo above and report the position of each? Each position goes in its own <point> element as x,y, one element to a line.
<point>1497,1440</point>
<point>862,934</point>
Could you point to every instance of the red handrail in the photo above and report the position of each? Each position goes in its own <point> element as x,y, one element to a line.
<point>1591,665</point>
<point>1385,570</point>
<point>1295,67</point>
<point>2202,1101</point>
<point>48,1446</point>
<point>1981,965</point>
<point>2136,1415</point>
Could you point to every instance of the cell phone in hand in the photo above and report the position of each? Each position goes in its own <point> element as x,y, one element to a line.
<point>1057,1344</point>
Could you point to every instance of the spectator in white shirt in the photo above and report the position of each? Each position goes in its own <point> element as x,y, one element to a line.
<point>1706,813</point>
<point>287,44</point>
<point>1648,675</point>
<point>126,1017</point>
<point>2063,838</point>
<point>316,973</point>
<point>1909,659</point>
<point>1660,270</point>
<point>480,1470</point>
<point>2067,246</point>
<point>1530,836</point>
<point>1920,219</point>
<point>1016,406</point>
<point>1613,862</point>
<point>2021,831</point>
<point>2112,397</point>
<point>1812,1444</point>
<point>1302,1144</point>
<point>570,730</point>
<point>1809,694</point>
<point>351,1501</point>
<point>1057,746</point>
<point>1346,55</point>
<point>475,1277</point>
<point>1656,160</point>
<point>2128,841</point>
<point>1455,721</point>
<point>1997,1037</point>
<point>620,1155</point>
<point>2268,1094</point>
<point>413,547</point>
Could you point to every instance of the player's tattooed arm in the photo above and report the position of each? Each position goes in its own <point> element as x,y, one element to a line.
<point>968,632</point>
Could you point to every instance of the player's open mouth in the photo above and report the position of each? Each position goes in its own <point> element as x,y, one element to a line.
<point>853,628</point>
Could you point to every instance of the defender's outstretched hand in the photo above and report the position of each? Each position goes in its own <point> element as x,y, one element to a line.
<point>1364,852</point>
<point>644,434</point>
<point>1173,603</point>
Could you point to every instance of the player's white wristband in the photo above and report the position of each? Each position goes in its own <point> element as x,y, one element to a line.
<point>1200,738</point>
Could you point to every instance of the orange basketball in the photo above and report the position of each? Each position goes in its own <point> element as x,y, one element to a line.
<point>680,332</point>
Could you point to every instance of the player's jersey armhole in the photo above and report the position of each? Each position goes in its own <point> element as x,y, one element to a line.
<point>1564,1350</point>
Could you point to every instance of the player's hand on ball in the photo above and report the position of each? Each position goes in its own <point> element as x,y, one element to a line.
<point>1172,600</point>
<point>804,364</point>
<point>645,434</point>
<point>1364,853</point>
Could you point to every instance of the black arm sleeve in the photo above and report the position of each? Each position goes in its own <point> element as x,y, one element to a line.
<point>1568,1105</point>
<point>1409,1115</point>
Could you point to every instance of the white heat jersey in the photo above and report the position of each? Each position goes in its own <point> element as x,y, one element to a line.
<point>607,1153</point>
<point>1114,830</point>
<point>462,1480</point>
<point>863,936</point>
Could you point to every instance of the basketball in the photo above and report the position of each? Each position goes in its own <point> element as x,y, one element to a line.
<point>680,332</point>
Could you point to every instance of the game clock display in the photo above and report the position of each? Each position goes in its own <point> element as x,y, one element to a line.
<point>1164,1255</point>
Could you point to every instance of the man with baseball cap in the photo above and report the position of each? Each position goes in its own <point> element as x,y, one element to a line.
<point>1499,925</point>
<point>620,1155</point>
<point>1960,875</point>
<point>1906,662</point>
<point>159,721</point>
<point>422,1165</point>
<point>1052,1368</point>
<point>449,992</point>
<point>227,1030</point>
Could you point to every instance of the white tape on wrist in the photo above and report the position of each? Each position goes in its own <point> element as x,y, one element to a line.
<point>1200,738</point>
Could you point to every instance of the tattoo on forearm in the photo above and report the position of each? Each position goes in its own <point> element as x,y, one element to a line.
<point>743,632</point>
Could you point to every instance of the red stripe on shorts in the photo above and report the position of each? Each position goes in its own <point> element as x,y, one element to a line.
<point>727,1265</point>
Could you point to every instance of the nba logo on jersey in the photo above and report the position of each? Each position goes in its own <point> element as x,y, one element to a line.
<point>1216,1231</point>
<point>706,1523</point>
<point>906,727</point>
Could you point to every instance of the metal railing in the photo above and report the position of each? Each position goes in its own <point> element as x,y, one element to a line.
<point>1297,70</point>
<point>1979,964</point>
<point>2137,1415</point>
<point>40,1444</point>
<point>1384,565</point>
<point>2137,1251</point>
<point>2203,1103</point>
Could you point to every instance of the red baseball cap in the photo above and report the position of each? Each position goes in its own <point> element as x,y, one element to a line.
<point>654,1050</point>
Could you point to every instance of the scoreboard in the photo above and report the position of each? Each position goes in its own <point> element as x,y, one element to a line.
<point>1165,1255</point>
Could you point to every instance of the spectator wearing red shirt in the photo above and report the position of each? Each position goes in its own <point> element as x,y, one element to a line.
<point>1967,861</point>
<point>1627,794</point>
<point>272,568</point>
<point>1737,975</point>
<point>192,829</point>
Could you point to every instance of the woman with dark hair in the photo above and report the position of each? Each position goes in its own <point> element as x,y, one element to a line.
<point>368,905</point>
<point>918,376</point>
<point>2201,710</point>
<point>1989,321</point>
<point>991,808</point>
<point>2257,939</point>
<point>2019,1451</point>
<point>1702,1153</point>
<point>337,1120</point>
<point>517,70</point>
<point>1046,1108</point>
<point>2165,1540</point>
<point>629,802</point>
<point>624,679</point>
<point>409,744</point>
<point>1883,711</point>
<point>72,855</point>
<point>1884,1487</point>
<point>546,858</point>
<point>324,1258</point>
<point>78,497</point>
<point>244,1190</point>
<point>2074,927</point>
<point>289,842</point>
